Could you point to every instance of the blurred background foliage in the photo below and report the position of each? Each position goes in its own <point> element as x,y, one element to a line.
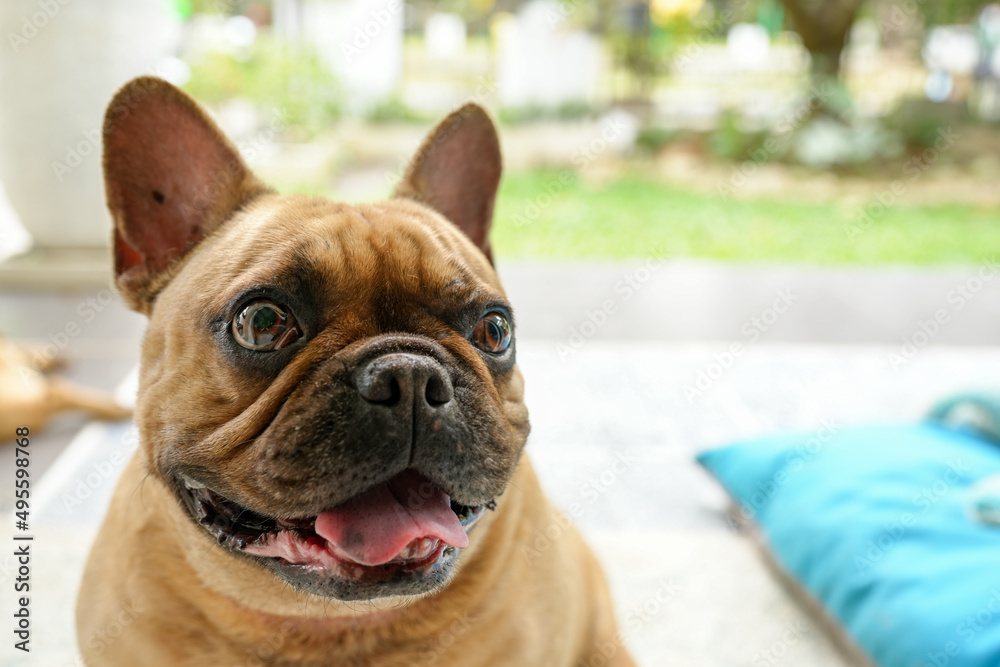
<point>737,129</point>
<point>277,78</point>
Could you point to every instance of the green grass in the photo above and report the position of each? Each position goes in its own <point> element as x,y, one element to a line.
<point>632,216</point>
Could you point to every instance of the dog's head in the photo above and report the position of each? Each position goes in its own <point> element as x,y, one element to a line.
<point>328,389</point>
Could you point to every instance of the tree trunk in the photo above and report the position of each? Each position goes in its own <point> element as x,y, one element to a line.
<point>823,26</point>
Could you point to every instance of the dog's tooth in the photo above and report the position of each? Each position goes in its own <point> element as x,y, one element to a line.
<point>204,513</point>
<point>422,548</point>
<point>192,484</point>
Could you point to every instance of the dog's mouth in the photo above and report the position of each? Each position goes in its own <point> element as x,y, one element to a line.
<point>404,530</point>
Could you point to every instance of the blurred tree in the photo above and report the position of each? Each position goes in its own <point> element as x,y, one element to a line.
<point>643,34</point>
<point>289,83</point>
<point>823,26</point>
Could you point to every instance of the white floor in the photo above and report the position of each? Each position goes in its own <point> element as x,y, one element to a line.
<point>688,590</point>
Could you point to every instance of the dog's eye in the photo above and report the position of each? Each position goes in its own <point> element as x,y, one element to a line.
<point>492,333</point>
<point>264,326</point>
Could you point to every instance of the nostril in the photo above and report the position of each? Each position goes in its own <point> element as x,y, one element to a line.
<point>438,391</point>
<point>380,386</point>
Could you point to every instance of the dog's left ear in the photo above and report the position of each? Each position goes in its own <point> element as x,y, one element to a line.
<point>456,172</point>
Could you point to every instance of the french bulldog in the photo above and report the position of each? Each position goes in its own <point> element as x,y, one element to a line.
<point>331,422</point>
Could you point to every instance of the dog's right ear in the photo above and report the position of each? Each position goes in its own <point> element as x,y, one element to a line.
<point>457,171</point>
<point>171,178</point>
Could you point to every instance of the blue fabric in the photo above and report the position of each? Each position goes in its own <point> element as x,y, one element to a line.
<point>874,523</point>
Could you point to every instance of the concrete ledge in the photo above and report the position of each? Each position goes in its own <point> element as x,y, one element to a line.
<point>58,268</point>
<point>682,300</point>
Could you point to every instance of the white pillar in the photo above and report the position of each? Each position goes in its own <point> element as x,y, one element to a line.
<point>362,43</point>
<point>60,63</point>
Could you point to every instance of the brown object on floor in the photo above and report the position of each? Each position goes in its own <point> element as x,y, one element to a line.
<point>29,397</point>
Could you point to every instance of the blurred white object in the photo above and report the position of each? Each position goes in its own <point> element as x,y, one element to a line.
<point>240,31</point>
<point>444,36</point>
<point>865,33</point>
<point>174,70</point>
<point>361,41</point>
<point>823,142</point>
<point>619,129</point>
<point>127,389</point>
<point>748,46</point>
<point>286,16</point>
<point>864,44</point>
<point>58,71</point>
<point>541,61</point>
<point>952,49</point>
<point>238,118</point>
<point>984,500</point>
<point>989,23</point>
<point>938,86</point>
<point>995,63</point>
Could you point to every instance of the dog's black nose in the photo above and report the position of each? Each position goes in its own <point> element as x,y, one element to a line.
<point>404,379</point>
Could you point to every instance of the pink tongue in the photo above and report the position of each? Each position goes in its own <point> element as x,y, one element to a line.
<point>374,527</point>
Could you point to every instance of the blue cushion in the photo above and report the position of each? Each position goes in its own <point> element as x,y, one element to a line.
<point>874,523</point>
